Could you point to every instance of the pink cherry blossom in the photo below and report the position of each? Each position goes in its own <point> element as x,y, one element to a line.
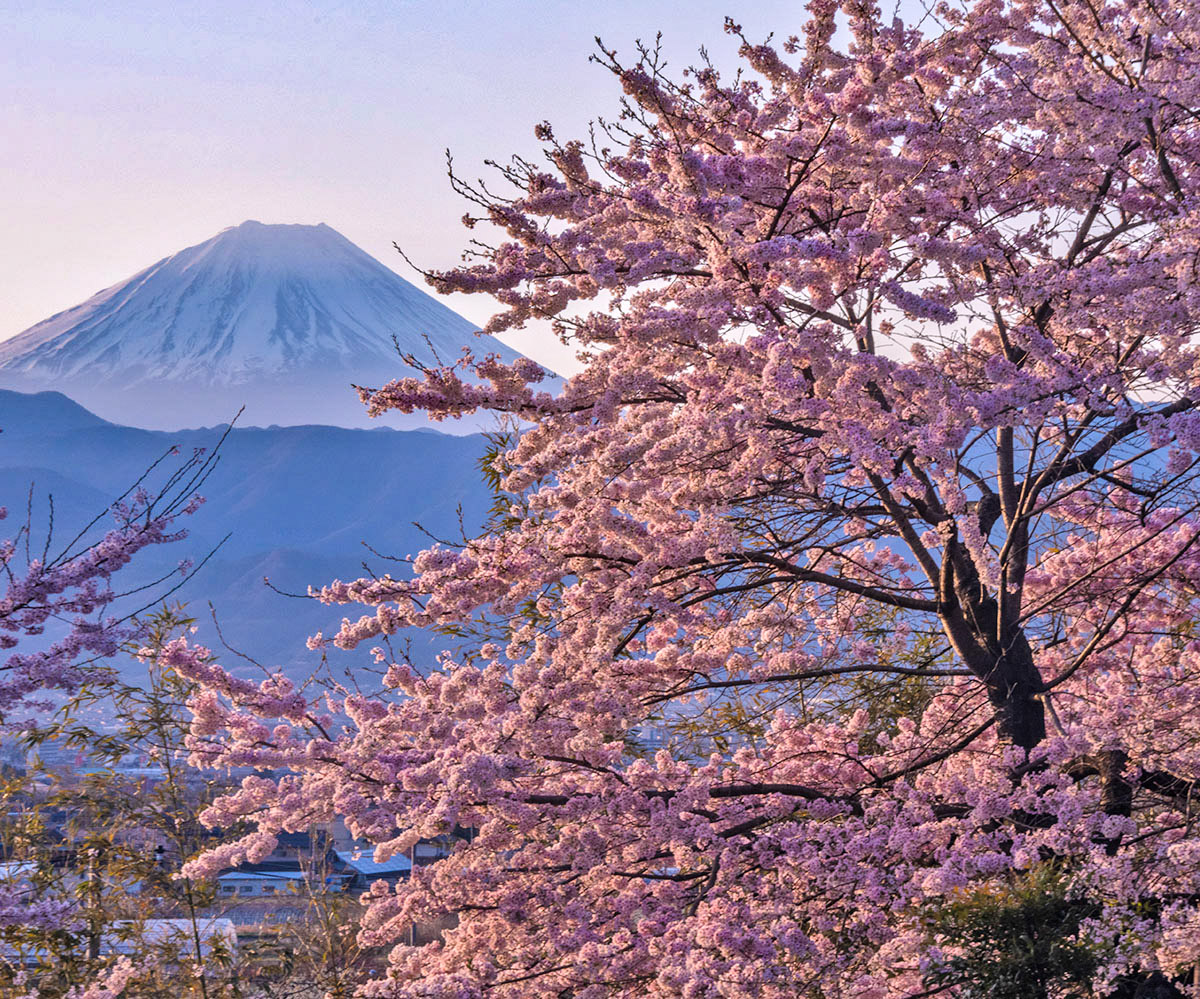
<point>890,383</point>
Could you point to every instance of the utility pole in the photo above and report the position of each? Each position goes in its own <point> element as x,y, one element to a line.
<point>92,894</point>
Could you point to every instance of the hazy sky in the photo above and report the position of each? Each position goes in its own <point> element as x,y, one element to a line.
<point>132,130</point>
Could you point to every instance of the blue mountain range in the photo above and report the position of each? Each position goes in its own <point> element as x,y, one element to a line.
<point>297,503</point>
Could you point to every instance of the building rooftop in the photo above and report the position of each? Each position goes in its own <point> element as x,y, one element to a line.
<point>365,864</point>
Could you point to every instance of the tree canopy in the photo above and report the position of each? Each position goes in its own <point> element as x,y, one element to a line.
<point>852,581</point>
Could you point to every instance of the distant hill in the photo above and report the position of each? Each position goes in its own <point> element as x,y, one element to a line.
<point>281,319</point>
<point>44,413</point>
<point>298,502</point>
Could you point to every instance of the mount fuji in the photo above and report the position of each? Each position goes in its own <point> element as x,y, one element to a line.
<point>281,319</point>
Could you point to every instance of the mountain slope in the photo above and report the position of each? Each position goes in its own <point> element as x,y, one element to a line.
<point>282,319</point>
<point>297,502</point>
<point>44,413</point>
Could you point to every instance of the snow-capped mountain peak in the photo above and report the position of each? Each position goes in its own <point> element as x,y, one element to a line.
<point>281,318</point>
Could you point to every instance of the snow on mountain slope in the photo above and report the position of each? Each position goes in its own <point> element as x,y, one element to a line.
<point>279,318</point>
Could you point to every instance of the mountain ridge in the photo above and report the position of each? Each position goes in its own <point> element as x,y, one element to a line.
<point>297,502</point>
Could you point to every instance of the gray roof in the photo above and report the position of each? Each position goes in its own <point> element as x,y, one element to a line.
<point>365,864</point>
<point>287,874</point>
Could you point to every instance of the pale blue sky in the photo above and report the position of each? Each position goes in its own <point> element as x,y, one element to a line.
<point>131,130</point>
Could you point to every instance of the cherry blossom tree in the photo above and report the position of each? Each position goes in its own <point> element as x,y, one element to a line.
<point>61,619</point>
<point>852,581</point>
<point>59,596</point>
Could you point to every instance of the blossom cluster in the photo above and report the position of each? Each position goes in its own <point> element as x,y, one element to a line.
<point>853,574</point>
